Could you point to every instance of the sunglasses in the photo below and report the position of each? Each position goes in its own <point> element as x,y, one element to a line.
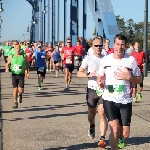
<point>98,45</point>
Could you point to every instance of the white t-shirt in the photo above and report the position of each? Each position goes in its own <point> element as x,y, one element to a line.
<point>91,52</point>
<point>92,63</point>
<point>118,91</point>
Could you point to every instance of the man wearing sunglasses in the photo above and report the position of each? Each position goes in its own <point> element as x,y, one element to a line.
<point>68,52</point>
<point>93,96</point>
<point>91,51</point>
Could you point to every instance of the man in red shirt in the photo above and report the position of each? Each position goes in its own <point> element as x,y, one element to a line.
<point>78,52</point>
<point>106,46</point>
<point>68,52</point>
<point>140,56</point>
<point>28,52</point>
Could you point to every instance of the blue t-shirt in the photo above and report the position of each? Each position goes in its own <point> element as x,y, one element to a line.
<point>40,62</point>
<point>56,55</point>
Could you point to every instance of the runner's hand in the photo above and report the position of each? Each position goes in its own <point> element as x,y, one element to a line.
<point>42,56</point>
<point>101,84</point>
<point>122,75</point>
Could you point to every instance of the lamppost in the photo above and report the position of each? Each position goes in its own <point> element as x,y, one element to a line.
<point>23,36</point>
<point>145,34</point>
<point>41,21</point>
<point>53,20</point>
<point>1,8</point>
<point>1,20</point>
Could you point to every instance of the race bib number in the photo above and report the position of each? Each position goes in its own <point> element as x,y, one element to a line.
<point>28,54</point>
<point>116,88</point>
<point>68,61</point>
<point>99,91</point>
<point>41,69</point>
<point>7,50</point>
<point>17,67</point>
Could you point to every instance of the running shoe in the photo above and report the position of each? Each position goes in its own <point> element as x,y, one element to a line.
<point>139,96</point>
<point>20,98</point>
<point>135,100</point>
<point>91,132</point>
<point>15,105</point>
<point>66,88</point>
<point>121,143</point>
<point>57,75</point>
<point>46,69</point>
<point>39,88</point>
<point>102,143</point>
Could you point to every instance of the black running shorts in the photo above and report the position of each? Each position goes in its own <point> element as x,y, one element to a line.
<point>41,71</point>
<point>93,99</point>
<point>18,80</point>
<point>121,112</point>
<point>141,84</point>
<point>70,67</point>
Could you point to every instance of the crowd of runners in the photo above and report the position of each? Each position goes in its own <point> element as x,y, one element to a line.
<point>113,75</point>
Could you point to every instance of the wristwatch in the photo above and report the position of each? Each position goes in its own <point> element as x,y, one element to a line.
<point>87,74</point>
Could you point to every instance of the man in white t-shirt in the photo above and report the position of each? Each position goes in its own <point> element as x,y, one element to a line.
<point>93,93</point>
<point>117,72</point>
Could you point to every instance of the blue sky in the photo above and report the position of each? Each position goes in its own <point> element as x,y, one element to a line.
<point>17,16</point>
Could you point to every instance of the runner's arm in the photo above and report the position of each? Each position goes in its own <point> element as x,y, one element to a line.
<point>27,65</point>
<point>8,63</point>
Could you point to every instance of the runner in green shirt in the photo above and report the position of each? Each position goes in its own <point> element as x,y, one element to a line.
<point>18,69</point>
<point>6,48</point>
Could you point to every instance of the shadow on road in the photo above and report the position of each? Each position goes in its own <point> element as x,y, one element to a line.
<point>75,147</point>
<point>138,140</point>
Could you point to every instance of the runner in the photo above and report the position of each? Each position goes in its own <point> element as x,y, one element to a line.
<point>62,57</point>
<point>117,72</point>
<point>68,62</point>
<point>140,56</point>
<point>106,46</point>
<point>49,63</point>
<point>18,67</point>
<point>79,52</point>
<point>93,97</point>
<point>28,53</point>
<point>6,48</point>
<point>40,56</point>
<point>56,59</point>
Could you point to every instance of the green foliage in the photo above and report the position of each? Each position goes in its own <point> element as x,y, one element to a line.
<point>133,31</point>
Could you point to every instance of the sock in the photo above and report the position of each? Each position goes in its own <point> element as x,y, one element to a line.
<point>92,126</point>
<point>102,137</point>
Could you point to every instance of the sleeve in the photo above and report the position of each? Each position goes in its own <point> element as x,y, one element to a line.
<point>101,71</point>
<point>144,55</point>
<point>62,51</point>
<point>44,53</point>
<point>135,69</point>
<point>85,62</point>
<point>74,50</point>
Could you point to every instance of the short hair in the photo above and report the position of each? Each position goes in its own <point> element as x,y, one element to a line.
<point>120,37</point>
<point>106,40</point>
